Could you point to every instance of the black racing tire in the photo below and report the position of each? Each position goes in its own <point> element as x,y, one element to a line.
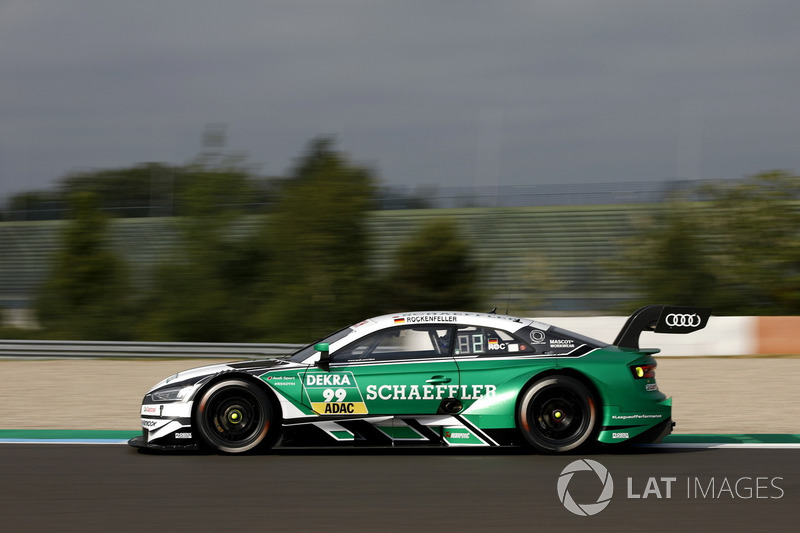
<point>558,414</point>
<point>235,416</point>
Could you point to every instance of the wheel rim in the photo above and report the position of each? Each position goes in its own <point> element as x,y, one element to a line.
<point>558,415</point>
<point>234,419</point>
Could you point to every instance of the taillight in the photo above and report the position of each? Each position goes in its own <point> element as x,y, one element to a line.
<point>644,371</point>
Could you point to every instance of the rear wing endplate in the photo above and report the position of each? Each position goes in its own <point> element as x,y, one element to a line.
<point>661,319</point>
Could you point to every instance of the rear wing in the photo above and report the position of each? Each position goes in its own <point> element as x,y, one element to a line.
<point>661,319</point>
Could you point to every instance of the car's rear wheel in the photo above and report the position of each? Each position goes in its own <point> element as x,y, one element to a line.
<point>558,414</point>
<point>235,416</point>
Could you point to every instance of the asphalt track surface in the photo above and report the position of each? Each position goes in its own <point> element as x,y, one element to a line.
<point>50,487</point>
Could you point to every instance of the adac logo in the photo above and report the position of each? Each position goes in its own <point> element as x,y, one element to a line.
<point>585,509</point>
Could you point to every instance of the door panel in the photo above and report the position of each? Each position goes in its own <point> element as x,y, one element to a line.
<point>403,370</point>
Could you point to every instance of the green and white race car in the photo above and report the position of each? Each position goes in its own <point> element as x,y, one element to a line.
<point>428,379</point>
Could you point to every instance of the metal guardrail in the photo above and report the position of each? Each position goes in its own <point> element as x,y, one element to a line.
<point>23,349</point>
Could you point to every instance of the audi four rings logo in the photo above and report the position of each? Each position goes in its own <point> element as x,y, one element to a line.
<point>683,320</point>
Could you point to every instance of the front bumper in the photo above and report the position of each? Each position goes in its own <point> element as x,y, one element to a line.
<point>140,442</point>
<point>166,426</point>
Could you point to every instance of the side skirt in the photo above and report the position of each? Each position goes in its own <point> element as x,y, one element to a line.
<point>389,431</point>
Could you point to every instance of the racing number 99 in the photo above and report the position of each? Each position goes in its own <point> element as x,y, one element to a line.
<point>330,394</point>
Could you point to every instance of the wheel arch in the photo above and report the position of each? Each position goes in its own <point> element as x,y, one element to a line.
<point>560,371</point>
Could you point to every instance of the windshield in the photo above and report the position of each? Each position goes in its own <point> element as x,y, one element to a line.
<point>307,351</point>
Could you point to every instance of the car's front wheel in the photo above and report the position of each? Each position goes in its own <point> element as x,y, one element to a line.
<point>234,416</point>
<point>558,414</point>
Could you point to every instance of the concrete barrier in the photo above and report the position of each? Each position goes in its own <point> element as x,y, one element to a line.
<point>723,336</point>
<point>778,334</point>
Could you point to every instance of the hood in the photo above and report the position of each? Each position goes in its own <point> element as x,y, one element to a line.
<point>194,375</point>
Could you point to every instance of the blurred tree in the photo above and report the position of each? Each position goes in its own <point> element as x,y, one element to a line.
<point>35,205</point>
<point>754,245</point>
<point>86,295</point>
<point>144,190</point>
<point>204,293</point>
<point>737,250</point>
<point>433,269</point>
<point>139,191</point>
<point>667,259</point>
<point>319,277</point>
<point>156,189</point>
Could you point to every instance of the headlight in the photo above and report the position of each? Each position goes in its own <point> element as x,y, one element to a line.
<point>171,394</point>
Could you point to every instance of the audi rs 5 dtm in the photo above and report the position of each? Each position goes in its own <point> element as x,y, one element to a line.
<point>436,378</point>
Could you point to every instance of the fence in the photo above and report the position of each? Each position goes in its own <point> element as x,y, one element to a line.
<point>419,197</point>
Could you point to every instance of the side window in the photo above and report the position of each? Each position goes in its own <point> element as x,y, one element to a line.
<point>480,341</point>
<point>398,343</point>
<point>556,341</point>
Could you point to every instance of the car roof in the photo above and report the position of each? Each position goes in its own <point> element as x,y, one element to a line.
<point>506,322</point>
<point>431,318</point>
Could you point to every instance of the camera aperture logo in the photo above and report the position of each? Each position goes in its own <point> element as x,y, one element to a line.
<point>585,509</point>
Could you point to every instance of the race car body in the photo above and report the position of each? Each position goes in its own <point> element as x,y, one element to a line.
<point>427,379</point>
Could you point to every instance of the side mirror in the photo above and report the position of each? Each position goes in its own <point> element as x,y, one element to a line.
<point>324,355</point>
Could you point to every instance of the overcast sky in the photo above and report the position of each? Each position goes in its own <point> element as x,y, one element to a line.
<point>428,92</point>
